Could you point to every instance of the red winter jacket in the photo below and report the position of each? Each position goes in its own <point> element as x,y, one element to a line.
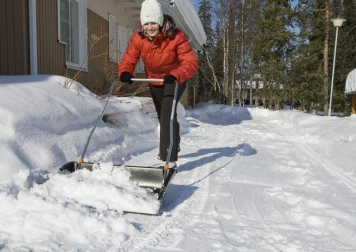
<point>168,53</point>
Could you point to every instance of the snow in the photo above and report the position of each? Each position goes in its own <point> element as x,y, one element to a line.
<point>249,179</point>
<point>187,19</point>
<point>350,87</point>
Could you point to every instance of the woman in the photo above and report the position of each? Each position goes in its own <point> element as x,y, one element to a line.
<point>167,55</point>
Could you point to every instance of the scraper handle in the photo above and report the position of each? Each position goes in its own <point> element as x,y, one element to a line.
<point>150,80</point>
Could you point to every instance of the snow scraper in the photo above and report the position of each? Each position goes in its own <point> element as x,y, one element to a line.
<point>156,178</point>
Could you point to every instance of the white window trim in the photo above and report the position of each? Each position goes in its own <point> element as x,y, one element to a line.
<point>140,67</point>
<point>83,36</point>
<point>113,40</point>
<point>116,50</point>
<point>123,40</point>
<point>33,37</point>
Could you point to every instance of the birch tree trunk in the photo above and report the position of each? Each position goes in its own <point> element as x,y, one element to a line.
<point>231,56</point>
<point>326,59</point>
<point>242,52</point>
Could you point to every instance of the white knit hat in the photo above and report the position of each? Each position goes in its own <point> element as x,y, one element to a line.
<point>151,11</point>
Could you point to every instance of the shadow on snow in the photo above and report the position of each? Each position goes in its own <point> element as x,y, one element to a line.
<point>176,194</point>
<point>218,114</point>
<point>209,155</point>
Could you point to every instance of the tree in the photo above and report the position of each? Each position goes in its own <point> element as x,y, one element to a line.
<point>205,73</point>
<point>326,57</point>
<point>315,53</point>
<point>248,32</point>
<point>346,52</point>
<point>289,47</point>
<point>227,10</point>
<point>310,56</point>
<point>272,54</point>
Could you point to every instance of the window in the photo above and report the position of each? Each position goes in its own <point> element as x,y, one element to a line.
<point>140,67</point>
<point>112,39</point>
<point>123,41</point>
<point>118,40</point>
<point>119,37</point>
<point>72,31</point>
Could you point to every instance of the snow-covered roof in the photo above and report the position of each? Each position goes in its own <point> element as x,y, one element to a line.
<point>350,87</point>
<point>187,19</point>
<point>182,11</point>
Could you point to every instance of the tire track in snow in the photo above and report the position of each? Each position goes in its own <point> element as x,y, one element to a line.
<point>322,161</point>
<point>179,217</point>
<point>254,135</point>
<point>157,228</point>
<point>330,167</point>
<point>196,172</point>
<point>183,213</point>
<point>315,158</point>
<point>337,226</point>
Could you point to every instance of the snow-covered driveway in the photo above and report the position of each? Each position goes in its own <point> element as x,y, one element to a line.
<point>248,182</point>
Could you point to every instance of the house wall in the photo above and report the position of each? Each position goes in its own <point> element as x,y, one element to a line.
<point>51,53</point>
<point>14,37</point>
<point>14,45</point>
<point>106,7</point>
<point>101,70</point>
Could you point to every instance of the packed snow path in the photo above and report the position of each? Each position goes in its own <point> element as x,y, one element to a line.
<point>251,184</point>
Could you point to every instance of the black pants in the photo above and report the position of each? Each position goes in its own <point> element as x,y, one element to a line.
<point>163,99</point>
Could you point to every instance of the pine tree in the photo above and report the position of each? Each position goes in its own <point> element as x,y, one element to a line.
<point>346,52</point>
<point>291,48</point>
<point>248,32</point>
<point>309,60</point>
<point>273,52</point>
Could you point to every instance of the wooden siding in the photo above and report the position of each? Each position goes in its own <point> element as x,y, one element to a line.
<point>101,70</point>
<point>51,53</point>
<point>14,40</point>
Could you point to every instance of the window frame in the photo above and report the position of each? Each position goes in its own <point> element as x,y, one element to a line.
<point>123,41</point>
<point>119,38</point>
<point>81,30</point>
<point>113,48</point>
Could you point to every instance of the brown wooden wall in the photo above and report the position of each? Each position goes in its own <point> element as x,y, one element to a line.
<point>51,53</point>
<point>14,37</point>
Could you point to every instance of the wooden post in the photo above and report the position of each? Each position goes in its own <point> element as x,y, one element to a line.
<point>353,109</point>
